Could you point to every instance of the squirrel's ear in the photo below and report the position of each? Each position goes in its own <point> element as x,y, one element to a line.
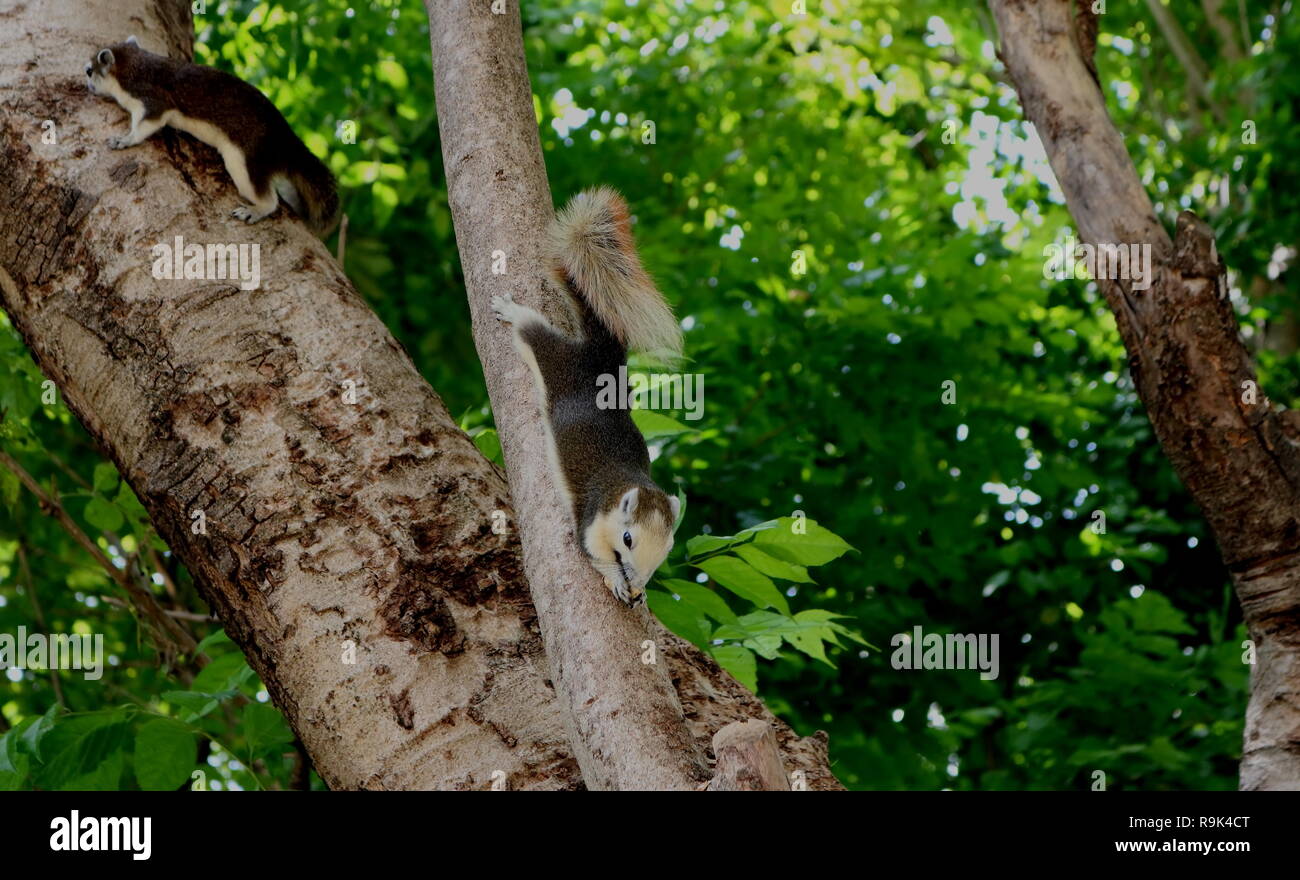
<point>105,57</point>
<point>132,41</point>
<point>628,504</point>
<point>675,504</point>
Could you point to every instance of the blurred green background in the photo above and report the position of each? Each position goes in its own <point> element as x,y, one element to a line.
<point>879,148</point>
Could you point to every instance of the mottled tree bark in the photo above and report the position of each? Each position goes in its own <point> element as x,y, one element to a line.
<point>341,503</point>
<point>1236,454</point>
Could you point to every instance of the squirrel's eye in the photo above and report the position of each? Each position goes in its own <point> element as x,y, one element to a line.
<point>627,540</point>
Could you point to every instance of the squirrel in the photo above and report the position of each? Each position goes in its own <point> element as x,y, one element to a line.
<point>623,520</point>
<point>263,156</point>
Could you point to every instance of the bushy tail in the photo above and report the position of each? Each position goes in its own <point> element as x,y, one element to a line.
<point>318,195</point>
<point>592,250</point>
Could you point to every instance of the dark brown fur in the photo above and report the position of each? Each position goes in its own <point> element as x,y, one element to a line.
<point>600,450</point>
<point>243,113</point>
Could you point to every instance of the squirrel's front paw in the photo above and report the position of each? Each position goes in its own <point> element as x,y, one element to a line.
<point>121,142</point>
<point>624,592</point>
<point>245,214</point>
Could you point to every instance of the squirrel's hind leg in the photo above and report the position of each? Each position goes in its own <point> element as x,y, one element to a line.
<point>506,309</point>
<point>264,197</point>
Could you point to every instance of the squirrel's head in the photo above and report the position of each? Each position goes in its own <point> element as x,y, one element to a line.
<point>101,72</point>
<point>631,539</point>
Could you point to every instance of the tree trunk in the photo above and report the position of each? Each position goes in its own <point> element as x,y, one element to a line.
<point>328,521</point>
<point>1236,454</point>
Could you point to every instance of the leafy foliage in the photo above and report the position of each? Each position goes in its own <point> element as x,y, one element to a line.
<point>747,564</point>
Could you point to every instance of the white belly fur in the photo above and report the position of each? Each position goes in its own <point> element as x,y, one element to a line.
<point>213,136</point>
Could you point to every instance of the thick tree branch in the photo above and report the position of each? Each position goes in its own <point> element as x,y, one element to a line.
<point>1235,453</point>
<point>627,724</point>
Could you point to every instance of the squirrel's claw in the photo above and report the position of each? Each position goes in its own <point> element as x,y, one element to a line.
<point>625,593</point>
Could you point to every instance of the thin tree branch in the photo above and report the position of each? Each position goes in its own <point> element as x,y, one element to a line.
<point>26,573</point>
<point>170,612</point>
<point>1193,66</point>
<point>1228,40</point>
<point>173,637</point>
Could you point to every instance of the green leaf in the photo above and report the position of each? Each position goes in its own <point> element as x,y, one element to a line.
<point>702,544</point>
<point>771,566</point>
<point>214,640</point>
<point>198,703</point>
<point>103,515</point>
<point>224,673</point>
<point>33,735</point>
<point>105,775</point>
<point>105,477</point>
<point>745,581</point>
<point>681,509</point>
<point>655,425</point>
<point>810,642</point>
<point>682,618</point>
<point>130,505</point>
<point>803,542</point>
<point>489,443</point>
<point>702,598</point>
<point>390,72</point>
<point>767,646</point>
<point>10,488</point>
<point>78,746</point>
<point>16,778</point>
<point>821,615</point>
<point>165,753</point>
<point>13,761</point>
<point>264,728</point>
<point>739,661</point>
<point>807,632</point>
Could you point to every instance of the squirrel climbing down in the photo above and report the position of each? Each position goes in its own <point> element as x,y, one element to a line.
<point>263,156</point>
<point>599,458</point>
